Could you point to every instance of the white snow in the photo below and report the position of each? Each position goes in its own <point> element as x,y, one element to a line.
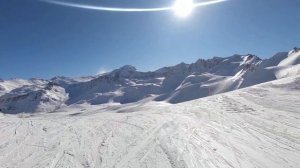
<point>254,127</point>
<point>289,66</point>
<point>175,84</point>
<point>9,85</point>
<point>292,59</point>
<point>125,119</point>
<point>33,98</point>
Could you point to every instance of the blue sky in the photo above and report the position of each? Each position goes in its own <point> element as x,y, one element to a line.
<point>43,40</point>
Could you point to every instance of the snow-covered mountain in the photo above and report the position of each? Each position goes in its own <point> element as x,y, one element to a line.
<point>91,122</point>
<point>254,127</point>
<point>173,84</point>
<point>34,98</point>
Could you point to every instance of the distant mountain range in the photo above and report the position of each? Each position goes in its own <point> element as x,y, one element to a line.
<point>175,84</point>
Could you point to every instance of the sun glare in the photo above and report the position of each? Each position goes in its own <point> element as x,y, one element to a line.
<point>183,8</point>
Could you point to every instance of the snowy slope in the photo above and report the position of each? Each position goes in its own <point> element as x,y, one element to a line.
<point>253,127</point>
<point>9,85</point>
<point>289,66</point>
<point>174,84</point>
<point>293,58</point>
<point>33,98</point>
<point>126,85</point>
<point>66,81</point>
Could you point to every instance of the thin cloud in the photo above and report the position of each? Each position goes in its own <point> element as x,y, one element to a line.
<point>102,71</point>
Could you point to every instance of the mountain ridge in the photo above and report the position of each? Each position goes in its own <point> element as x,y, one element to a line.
<point>174,84</point>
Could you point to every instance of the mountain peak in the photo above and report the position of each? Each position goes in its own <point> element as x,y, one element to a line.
<point>127,68</point>
<point>178,83</point>
<point>125,71</point>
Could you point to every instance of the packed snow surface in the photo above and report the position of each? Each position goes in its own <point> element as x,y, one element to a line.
<point>255,127</point>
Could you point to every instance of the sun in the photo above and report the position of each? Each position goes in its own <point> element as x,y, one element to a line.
<point>183,8</point>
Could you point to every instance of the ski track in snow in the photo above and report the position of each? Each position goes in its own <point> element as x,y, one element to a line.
<point>253,127</point>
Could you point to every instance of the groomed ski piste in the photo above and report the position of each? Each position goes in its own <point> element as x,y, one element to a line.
<point>255,127</point>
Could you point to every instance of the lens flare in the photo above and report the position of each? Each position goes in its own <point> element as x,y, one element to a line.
<point>183,8</point>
